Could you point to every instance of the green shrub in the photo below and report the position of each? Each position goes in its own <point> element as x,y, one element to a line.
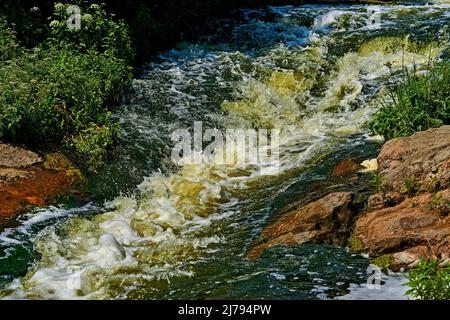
<point>429,281</point>
<point>9,48</point>
<point>48,95</point>
<point>378,183</point>
<point>412,185</point>
<point>56,92</point>
<point>417,102</point>
<point>92,144</point>
<point>99,32</point>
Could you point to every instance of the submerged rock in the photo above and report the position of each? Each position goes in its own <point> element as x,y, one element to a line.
<point>323,221</point>
<point>345,167</point>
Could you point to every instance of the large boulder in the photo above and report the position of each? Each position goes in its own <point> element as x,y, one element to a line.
<point>418,227</point>
<point>323,221</point>
<point>423,156</point>
<point>418,168</point>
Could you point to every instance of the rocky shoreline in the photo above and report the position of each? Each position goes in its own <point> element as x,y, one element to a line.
<point>407,219</point>
<point>28,179</point>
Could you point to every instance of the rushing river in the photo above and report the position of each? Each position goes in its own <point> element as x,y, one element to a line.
<point>316,73</point>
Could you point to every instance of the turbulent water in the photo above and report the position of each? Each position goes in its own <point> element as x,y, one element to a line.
<point>316,73</point>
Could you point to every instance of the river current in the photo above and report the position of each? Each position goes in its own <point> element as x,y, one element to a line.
<point>317,74</point>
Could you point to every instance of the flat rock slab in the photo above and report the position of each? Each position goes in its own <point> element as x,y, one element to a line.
<point>10,174</point>
<point>35,189</point>
<point>17,157</point>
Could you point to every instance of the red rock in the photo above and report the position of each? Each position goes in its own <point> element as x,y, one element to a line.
<point>405,230</point>
<point>35,190</point>
<point>424,155</point>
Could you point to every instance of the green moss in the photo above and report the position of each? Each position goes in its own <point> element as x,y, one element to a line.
<point>57,161</point>
<point>355,244</point>
<point>383,262</point>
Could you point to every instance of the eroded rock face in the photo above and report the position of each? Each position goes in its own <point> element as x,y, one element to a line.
<point>411,227</point>
<point>17,157</point>
<point>423,156</point>
<point>416,228</point>
<point>322,221</point>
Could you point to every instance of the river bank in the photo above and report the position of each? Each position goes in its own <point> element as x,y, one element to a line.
<point>405,222</point>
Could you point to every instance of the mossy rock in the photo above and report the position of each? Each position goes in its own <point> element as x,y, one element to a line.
<point>57,161</point>
<point>383,262</point>
<point>355,244</point>
<point>75,177</point>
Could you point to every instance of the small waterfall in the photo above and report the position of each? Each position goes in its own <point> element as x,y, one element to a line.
<point>317,83</point>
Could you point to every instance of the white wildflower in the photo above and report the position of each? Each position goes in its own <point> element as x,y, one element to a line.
<point>54,23</point>
<point>95,6</point>
<point>59,6</point>
<point>87,17</point>
<point>34,9</point>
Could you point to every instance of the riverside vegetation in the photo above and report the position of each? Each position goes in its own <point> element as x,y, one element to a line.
<point>59,93</point>
<point>418,102</point>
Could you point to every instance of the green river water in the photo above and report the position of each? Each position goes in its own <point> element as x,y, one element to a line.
<point>314,72</point>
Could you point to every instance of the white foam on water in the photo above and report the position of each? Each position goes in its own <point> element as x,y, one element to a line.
<point>393,288</point>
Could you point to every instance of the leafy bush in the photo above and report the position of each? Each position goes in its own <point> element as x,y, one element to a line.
<point>92,144</point>
<point>56,93</point>
<point>418,102</point>
<point>429,281</point>
<point>47,95</point>
<point>8,45</point>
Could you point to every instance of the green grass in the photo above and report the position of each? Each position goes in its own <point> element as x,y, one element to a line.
<point>416,102</point>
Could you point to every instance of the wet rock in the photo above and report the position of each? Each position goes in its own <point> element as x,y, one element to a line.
<point>323,221</point>
<point>17,157</point>
<point>345,167</point>
<point>423,156</point>
<point>34,189</point>
<point>25,181</point>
